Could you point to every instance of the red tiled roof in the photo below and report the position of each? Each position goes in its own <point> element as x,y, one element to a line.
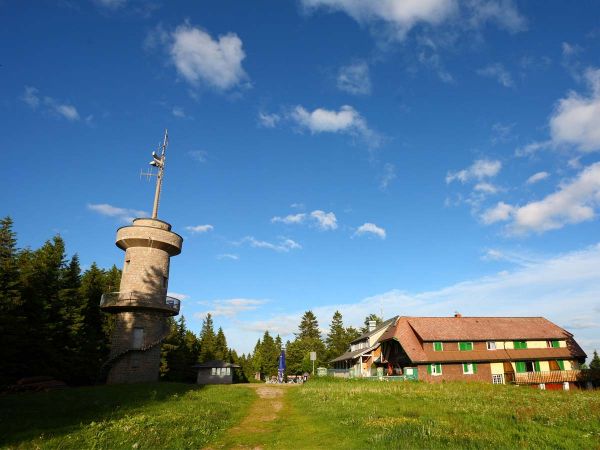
<point>485,328</point>
<point>411,332</point>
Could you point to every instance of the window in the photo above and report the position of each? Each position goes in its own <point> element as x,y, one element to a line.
<point>213,371</point>
<point>527,366</point>
<point>138,338</point>
<point>469,368</point>
<point>438,346</point>
<point>519,345</point>
<point>465,346</point>
<point>552,344</point>
<point>491,345</point>
<point>227,371</point>
<point>498,379</point>
<point>434,369</point>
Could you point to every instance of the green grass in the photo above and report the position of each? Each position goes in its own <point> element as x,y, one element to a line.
<point>368,414</point>
<point>158,415</point>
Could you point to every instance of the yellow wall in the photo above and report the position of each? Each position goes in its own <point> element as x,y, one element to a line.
<point>497,368</point>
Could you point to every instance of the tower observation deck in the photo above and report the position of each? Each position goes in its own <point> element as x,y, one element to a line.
<point>142,305</point>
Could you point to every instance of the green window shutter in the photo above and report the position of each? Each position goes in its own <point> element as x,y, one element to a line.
<point>463,346</point>
<point>517,345</point>
<point>555,344</point>
<point>520,365</point>
<point>465,368</point>
<point>439,368</point>
<point>536,364</point>
<point>429,368</point>
<point>437,346</point>
<point>561,364</point>
<point>474,367</point>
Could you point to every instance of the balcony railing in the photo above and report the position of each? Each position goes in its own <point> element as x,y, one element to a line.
<point>124,300</point>
<point>552,376</point>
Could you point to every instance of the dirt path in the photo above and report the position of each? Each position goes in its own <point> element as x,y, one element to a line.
<point>259,422</point>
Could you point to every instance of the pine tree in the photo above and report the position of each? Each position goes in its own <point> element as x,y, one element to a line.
<point>309,327</point>
<point>595,362</point>
<point>221,350</point>
<point>207,340</point>
<point>378,320</point>
<point>12,321</point>
<point>269,355</point>
<point>338,339</point>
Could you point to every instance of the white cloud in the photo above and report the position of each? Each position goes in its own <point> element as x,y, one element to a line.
<point>532,148</point>
<point>569,50</point>
<point>177,295</point>
<point>230,256</point>
<point>388,175</point>
<point>200,59</point>
<point>290,219</point>
<point>486,188</point>
<point>576,119</point>
<point>199,228</point>
<point>370,228</point>
<point>572,203</point>
<point>268,120</point>
<point>52,106</point>
<point>178,111</point>
<point>324,221</point>
<point>123,214</point>
<point>499,213</point>
<point>558,288</point>
<point>355,79</point>
<point>231,307</point>
<point>346,120</point>
<point>497,72</point>
<point>480,169</point>
<point>400,16</point>
<point>111,4</point>
<point>539,176</point>
<point>284,245</point>
<point>198,155</point>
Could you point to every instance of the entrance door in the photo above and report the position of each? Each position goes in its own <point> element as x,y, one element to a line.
<point>138,338</point>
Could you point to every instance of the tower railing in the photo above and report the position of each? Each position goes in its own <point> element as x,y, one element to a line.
<point>140,300</point>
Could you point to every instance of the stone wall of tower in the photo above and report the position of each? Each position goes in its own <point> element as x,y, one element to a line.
<point>140,311</point>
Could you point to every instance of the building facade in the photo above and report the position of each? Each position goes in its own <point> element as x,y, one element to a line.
<point>499,350</point>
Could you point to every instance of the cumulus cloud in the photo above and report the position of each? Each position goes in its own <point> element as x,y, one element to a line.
<point>122,214</point>
<point>576,119</point>
<point>50,105</point>
<point>289,219</point>
<point>539,176</point>
<point>347,120</point>
<point>268,120</point>
<point>498,73</point>
<point>544,284</point>
<point>370,228</point>
<point>355,79</point>
<point>480,169</point>
<point>574,202</point>
<point>324,221</point>
<point>230,307</point>
<point>202,60</point>
<point>284,244</point>
<point>199,228</point>
<point>398,17</point>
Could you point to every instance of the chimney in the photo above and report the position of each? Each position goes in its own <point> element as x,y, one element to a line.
<point>457,314</point>
<point>372,325</point>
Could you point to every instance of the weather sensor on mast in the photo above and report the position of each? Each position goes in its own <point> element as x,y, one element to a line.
<point>158,161</point>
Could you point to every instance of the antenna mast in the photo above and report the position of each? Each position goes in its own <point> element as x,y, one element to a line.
<point>159,162</point>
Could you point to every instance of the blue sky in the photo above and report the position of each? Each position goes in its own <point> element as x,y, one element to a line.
<point>415,158</point>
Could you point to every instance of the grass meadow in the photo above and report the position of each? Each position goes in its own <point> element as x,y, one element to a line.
<point>324,413</point>
<point>144,416</point>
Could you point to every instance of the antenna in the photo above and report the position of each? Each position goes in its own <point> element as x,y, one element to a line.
<point>158,161</point>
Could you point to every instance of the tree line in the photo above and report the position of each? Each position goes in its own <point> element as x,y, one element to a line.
<point>51,324</point>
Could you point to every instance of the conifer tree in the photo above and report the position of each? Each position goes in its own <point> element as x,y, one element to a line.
<point>221,350</point>
<point>207,340</point>
<point>309,327</point>
<point>338,339</point>
<point>378,320</point>
<point>595,362</point>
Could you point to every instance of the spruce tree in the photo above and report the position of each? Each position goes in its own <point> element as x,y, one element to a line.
<point>337,340</point>
<point>309,327</point>
<point>595,362</point>
<point>207,340</point>
<point>221,350</point>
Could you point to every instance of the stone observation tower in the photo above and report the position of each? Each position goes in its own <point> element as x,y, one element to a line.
<point>141,306</point>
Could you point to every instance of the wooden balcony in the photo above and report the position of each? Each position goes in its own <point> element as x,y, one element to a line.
<point>552,376</point>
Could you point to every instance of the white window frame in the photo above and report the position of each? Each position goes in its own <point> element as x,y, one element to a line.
<point>213,371</point>
<point>490,344</point>
<point>470,370</point>
<point>441,344</point>
<point>497,378</point>
<point>434,371</point>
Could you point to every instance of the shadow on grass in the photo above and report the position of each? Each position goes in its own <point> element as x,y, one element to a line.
<point>24,417</point>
